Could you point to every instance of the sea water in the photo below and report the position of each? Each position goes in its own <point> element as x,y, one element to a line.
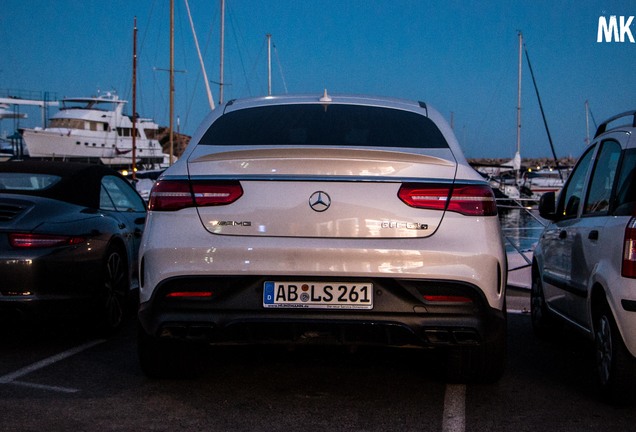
<point>521,229</point>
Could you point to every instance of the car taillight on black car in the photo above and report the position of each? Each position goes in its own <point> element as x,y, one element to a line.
<point>172,195</point>
<point>38,241</point>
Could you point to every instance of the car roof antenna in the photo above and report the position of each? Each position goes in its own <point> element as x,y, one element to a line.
<point>325,97</point>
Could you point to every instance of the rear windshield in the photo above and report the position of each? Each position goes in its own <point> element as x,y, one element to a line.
<point>329,125</point>
<point>10,181</point>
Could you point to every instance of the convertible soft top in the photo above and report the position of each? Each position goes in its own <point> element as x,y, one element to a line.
<point>79,183</point>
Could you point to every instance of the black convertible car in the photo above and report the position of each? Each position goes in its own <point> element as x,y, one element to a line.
<point>69,237</point>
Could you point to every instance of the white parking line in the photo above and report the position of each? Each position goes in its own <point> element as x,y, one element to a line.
<point>45,387</point>
<point>454,408</point>
<point>11,378</point>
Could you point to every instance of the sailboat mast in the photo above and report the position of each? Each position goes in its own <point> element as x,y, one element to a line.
<point>517,158</point>
<point>222,51</point>
<point>134,104</point>
<point>519,95</point>
<point>171,80</point>
<point>587,123</point>
<point>545,122</point>
<point>269,64</point>
<point>196,43</point>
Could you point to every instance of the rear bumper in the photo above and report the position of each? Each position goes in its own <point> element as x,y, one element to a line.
<point>35,307</point>
<point>45,287</point>
<point>400,317</point>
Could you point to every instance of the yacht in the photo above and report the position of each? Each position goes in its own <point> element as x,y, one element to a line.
<point>95,129</point>
<point>537,182</point>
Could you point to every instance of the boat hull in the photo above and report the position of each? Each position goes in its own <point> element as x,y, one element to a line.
<point>103,147</point>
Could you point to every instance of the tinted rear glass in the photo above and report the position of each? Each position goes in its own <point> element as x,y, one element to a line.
<point>330,125</point>
<point>23,182</point>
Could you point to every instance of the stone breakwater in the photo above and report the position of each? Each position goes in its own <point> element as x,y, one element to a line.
<point>525,162</point>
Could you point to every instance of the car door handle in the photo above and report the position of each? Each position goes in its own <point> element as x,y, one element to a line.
<point>563,235</point>
<point>593,235</point>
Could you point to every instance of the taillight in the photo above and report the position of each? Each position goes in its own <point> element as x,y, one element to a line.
<point>216,193</point>
<point>629,250</point>
<point>447,299</point>
<point>171,195</point>
<point>469,200</point>
<point>34,241</point>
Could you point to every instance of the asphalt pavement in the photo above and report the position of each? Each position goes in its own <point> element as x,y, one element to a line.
<point>59,377</point>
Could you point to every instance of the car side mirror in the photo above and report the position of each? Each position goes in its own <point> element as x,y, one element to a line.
<point>547,206</point>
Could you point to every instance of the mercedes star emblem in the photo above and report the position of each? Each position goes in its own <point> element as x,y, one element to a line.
<point>319,201</point>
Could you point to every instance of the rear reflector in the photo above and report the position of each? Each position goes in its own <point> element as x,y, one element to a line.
<point>447,299</point>
<point>172,195</point>
<point>35,241</point>
<point>469,200</point>
<point>629,250</point>
<point>189,294</point>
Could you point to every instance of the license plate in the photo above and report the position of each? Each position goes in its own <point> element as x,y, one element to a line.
<point>318,295</point>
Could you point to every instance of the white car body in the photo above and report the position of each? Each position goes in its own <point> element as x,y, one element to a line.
<point>316,215</point>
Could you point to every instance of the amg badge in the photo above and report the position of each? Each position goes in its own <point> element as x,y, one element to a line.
<point>234,223</point>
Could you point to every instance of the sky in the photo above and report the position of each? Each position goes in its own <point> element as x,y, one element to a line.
<point>460,57</point>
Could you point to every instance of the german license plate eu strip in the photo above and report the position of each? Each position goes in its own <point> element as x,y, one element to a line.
<point>318,295</point>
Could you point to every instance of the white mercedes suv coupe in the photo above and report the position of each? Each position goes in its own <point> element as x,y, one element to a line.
<point>323,219</point>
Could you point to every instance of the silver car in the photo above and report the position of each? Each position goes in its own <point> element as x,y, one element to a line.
<point>584,270</point>
<point>335,220</point>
